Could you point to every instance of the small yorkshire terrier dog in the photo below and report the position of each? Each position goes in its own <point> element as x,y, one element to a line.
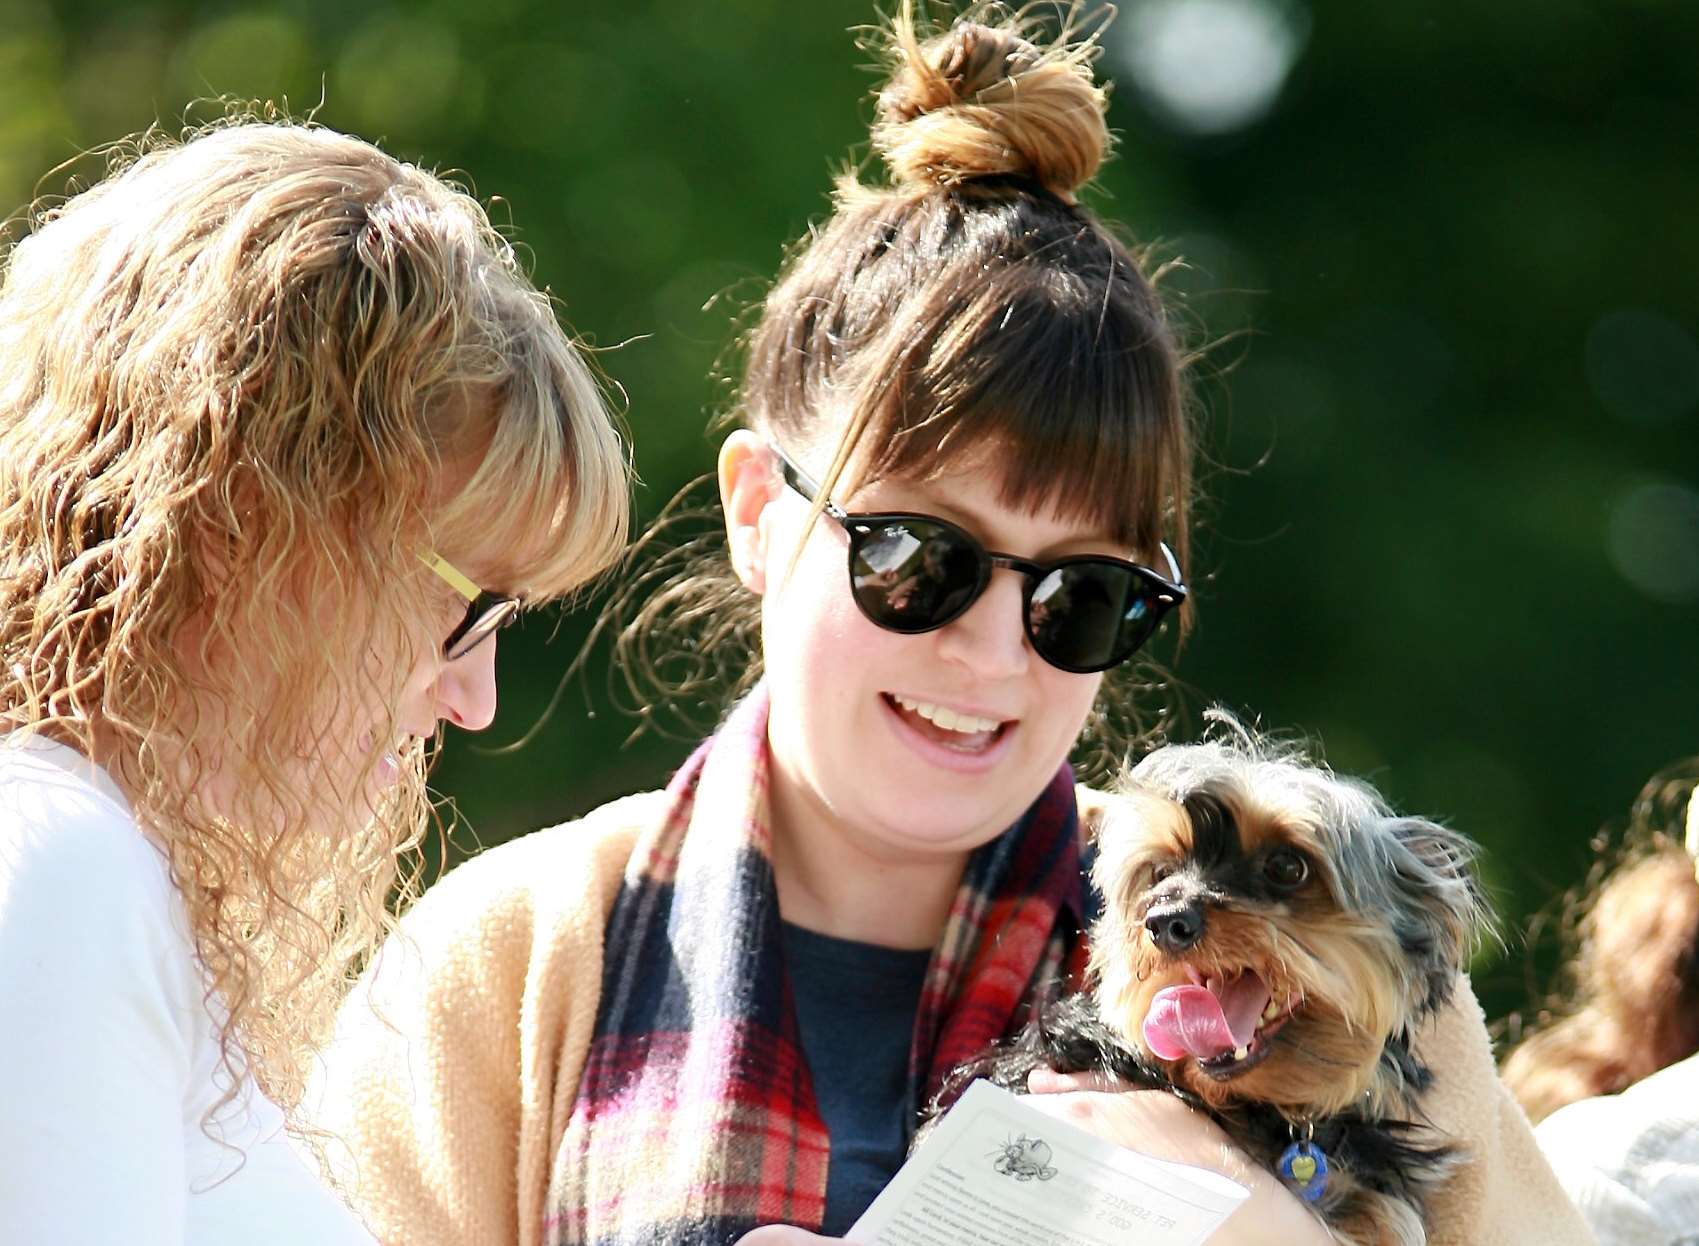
<point>1272,935</point>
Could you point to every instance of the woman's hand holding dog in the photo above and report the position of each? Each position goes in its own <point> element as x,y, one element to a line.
<point>1154,1122</point>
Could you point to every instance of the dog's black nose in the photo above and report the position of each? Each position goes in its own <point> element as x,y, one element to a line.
<point>1175,927</point>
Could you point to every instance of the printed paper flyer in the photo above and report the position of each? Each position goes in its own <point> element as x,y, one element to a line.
<point>995,1172</point>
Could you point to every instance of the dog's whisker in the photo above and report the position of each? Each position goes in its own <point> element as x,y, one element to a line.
<point>1282,1039</point>
<point>1306,949</point>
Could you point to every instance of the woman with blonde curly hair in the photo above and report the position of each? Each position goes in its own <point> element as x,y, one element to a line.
<point>286,434</point>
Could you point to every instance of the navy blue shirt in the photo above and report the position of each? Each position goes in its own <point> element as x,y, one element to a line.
<point>855,1006</point>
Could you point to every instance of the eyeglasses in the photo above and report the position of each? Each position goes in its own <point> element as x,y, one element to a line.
<point>486,613</point>
<point>915,573</point>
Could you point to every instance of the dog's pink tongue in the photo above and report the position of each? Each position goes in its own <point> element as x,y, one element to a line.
<point>1205,1021</point>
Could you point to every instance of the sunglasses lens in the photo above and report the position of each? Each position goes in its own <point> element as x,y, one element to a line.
<point>488,621</point>
<point>912,576</point>
<point>1087,616</point>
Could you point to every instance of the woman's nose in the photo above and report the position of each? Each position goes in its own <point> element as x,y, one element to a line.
<point>990,638</point>
<point>466,688</point>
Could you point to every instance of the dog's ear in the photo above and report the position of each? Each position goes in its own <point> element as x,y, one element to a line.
<point>1094,808</point>
<point>1441,908</point>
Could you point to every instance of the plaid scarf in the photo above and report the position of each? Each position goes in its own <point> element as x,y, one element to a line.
<point>695,1119</point>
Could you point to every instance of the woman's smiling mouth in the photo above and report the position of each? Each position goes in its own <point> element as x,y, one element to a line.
<point>962,732</point>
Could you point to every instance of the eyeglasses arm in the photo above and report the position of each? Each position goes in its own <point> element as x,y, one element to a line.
<point>458,580</point>
<point>1173,568</point>
<point>805,484</point>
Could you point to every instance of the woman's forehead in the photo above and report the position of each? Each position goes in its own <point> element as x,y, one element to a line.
<point>977,496</point>
<point>1098,473</point>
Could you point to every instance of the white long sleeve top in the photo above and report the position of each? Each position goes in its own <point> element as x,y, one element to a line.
<point>1631,1161</point>
<point>108,1045</point>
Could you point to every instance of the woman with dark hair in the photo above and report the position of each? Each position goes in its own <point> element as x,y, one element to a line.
<point>1613,1078</point>
<point>957,507</point>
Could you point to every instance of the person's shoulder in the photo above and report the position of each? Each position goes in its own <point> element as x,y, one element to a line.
<point>507,922</point>
<point>552,857</point>
<point>560,874</point>
<point>91,927</point>
<point>1674,1088</point>
<point>68,844</point>
<point>1655,1120</point>
<point>1630,1161</point>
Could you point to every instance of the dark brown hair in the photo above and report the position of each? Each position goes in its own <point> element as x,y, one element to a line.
<point>1628,1004</point>
<point>970,311</point>
<point>974,308</point>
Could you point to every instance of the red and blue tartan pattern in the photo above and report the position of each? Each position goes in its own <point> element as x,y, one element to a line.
<point>695,1119</point>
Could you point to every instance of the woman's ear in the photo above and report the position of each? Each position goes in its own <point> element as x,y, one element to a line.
<point>749,482</point>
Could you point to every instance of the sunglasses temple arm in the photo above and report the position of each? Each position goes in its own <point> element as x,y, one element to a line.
<point>806,485</point>
<point>1173,567</point>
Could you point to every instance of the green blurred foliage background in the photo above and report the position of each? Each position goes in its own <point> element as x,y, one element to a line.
<point>1448,251</point>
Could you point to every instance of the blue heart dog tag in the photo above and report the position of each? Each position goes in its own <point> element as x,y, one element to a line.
<point>1305,1168</point>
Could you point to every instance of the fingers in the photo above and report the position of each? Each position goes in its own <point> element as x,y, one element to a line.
<point>783,1235</point>
<point>1158,1124</point>
<point>1152,1121</point>
<point>1050,1082</point>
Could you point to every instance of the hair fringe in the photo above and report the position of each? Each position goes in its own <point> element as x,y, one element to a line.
<point>838,359</point>
<point>263,353</point>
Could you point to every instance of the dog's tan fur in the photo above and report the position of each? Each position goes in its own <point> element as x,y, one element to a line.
<point>1337,964</point>
<point>1359,960</point>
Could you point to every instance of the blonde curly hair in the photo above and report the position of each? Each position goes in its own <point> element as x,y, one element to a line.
<point>244,381</point>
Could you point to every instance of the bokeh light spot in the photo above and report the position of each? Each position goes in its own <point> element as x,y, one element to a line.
<point>401,77</point>
<point>1654,540</point>
<point>251,56</point>
<point>1212,66</point>
<point>1643,366</point>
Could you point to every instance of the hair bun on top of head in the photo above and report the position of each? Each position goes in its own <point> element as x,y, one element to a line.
<point>981,100</point>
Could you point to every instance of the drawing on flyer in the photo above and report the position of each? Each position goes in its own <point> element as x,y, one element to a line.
<point>1024,1158</point>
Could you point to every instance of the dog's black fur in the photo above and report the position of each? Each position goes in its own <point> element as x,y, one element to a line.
<point>1383,1156</point>
<point>1359,948</point>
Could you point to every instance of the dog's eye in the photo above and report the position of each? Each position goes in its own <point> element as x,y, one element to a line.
<point>1286,868</point>
<point>1160,871</point>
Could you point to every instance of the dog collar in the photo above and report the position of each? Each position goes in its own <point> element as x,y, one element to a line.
<point>1303,1165</point>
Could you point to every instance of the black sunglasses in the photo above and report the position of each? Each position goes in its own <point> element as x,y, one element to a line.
<point>486,613</point>
<point>915,573</point>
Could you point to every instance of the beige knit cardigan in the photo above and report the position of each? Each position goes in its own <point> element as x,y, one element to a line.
<point>457,1058</point>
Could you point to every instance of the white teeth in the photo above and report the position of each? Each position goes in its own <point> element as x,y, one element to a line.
<point>1271,1012</point>
<point>1243,1052</point>
<point>947,718</point>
